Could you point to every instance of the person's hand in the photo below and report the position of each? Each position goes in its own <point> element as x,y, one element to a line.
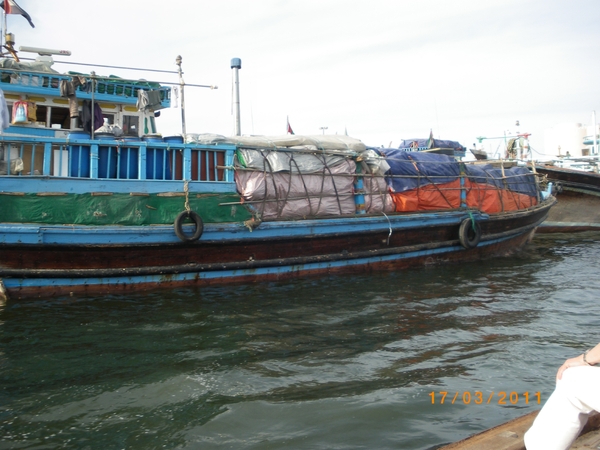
<point>573,362</point>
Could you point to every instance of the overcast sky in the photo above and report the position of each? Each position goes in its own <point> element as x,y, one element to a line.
<point>384,70</point>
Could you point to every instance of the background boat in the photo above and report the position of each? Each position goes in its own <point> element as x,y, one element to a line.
<point>574,173</point>
<point>573,176</point>
<point>578,193</point>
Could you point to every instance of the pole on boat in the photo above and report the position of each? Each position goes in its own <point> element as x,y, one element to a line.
<point>181,85</point>
<point>93,126</point>
<point>594,134</point>
<point>4,31</point>
<point>236,65</point>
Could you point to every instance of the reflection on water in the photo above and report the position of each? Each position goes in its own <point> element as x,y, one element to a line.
<point>342,362</point>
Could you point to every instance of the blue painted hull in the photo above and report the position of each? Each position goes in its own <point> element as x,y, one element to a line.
<point>121,259</point>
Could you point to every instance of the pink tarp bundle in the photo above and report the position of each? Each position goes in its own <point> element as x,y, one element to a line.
<point>284,195</point>
<point>326,189</point>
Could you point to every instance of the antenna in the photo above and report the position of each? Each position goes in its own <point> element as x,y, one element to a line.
<point>45,51</point>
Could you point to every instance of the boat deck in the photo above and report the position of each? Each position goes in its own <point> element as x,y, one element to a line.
<point>509,436</point>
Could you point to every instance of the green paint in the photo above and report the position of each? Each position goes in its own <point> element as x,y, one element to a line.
<point>117,209</point>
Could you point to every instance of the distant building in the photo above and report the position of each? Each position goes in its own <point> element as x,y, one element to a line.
<point>572,138</point>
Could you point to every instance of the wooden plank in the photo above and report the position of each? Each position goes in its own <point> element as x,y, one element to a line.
<point>590,435</point>
<point>509,435</point>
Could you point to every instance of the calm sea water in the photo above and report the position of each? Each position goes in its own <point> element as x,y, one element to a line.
<point>335,363</point>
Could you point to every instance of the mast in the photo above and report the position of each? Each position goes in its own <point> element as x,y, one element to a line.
<point>181,85</point>
<point>4,29</point>
<point>93,113</point>
<point>594,133</point>
<point>236,65</point>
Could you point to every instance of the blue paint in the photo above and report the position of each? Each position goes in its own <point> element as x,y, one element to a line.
<point>165,234</point>
<point>79,156</point>
<point>128,163</point>
<point>107,165</point>
<point>157,164</point>
<point>13,283</point>
<point>144,160</point>
<point>359,193</point>
<point>82,185</point>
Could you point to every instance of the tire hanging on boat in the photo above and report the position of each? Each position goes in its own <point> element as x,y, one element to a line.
<point>195,218</point>
<point>469,233</point>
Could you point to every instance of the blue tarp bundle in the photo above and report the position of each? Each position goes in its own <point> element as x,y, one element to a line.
<point>517,179</point>
<point>416,169</point>
<point>436,143</point>
<point>419,169</point>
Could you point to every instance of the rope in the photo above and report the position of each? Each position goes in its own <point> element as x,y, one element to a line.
<point>186,189</point>
<point>337,195</point>
<point>415,164</point>
<point>390,227</point>
<point>472,221</point>
<point>310,209</point>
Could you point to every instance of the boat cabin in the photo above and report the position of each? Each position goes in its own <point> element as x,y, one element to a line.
<point>43,102</point>
<point>82,125</point>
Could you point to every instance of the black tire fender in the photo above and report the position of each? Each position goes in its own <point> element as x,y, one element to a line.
<point>469,233</point>
<point>195,218</point>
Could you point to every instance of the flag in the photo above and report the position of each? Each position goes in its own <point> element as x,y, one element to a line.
<point>11,7</point>
<point>289,127</point>
<point>430,141</point>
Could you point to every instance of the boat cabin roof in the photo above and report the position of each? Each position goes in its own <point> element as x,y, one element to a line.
<point>44,91</point>
<point>38,78</point>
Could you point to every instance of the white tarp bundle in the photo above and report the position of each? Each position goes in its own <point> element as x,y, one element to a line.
<point>377,195</point>
<point>287,161</point>
<point>336,142</point>
<point>204,138</point>
<point>284,195</point>
<point>294,177</point>
<point>295,185</point>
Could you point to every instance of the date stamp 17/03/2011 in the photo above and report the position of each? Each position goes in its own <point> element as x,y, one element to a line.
<point>479,398</point>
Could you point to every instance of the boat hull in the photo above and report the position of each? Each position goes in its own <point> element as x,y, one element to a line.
<point>46,261</point>
<point>509,435</point>
<point>578,205</point>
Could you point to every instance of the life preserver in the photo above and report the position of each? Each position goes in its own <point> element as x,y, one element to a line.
<point>194,217</point>
<point>469,233</point>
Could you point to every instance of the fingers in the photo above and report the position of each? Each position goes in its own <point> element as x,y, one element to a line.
<point>561,369</point>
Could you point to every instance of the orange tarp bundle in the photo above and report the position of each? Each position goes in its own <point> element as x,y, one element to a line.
<point>490,199</point>
<point>481,196</point>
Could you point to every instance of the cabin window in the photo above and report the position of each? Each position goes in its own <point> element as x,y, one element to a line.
<point>59,117</point>
<point>131,125</point>
<point>52,115</point>
<point>110,117</point>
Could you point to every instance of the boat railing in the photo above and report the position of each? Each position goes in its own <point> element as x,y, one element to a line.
<point>114,159</point>
<point>103,88</point>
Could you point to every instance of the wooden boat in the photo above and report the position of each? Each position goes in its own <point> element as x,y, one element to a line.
<point>89,207</point>
<point>479,154</point>
<point>578,195</point>
<point>509,435</point>
<point>432,145</point>
<point>575,180</point>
